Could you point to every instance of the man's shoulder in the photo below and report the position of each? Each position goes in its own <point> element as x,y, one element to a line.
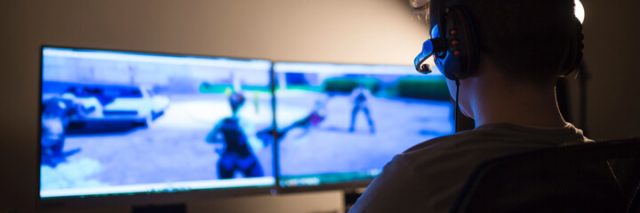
<point>447,142</point>
<point>446,150</point>
<point>439,167</point>
<point>485,143</point>
<point>432,168</point>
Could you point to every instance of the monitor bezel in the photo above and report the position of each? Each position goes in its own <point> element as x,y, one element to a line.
<point>142,198</point>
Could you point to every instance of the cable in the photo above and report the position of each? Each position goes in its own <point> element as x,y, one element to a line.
<point>455,116</point>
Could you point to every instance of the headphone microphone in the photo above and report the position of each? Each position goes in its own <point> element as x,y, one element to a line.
<point>427,51</point>
<point>424,69</point>
<point>429,47</point>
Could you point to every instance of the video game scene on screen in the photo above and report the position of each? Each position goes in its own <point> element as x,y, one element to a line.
<point>113,119</point>
<point>341,123</point>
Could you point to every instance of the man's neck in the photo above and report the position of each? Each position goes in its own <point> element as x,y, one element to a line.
<point>519,104</point>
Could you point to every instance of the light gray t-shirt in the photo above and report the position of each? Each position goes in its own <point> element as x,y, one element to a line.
<point>429,176</point>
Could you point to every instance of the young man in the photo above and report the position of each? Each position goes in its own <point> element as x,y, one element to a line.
<point>522,47</point>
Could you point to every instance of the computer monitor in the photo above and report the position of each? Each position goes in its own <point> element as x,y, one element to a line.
<point>339,124</point>
<point>119,122</point>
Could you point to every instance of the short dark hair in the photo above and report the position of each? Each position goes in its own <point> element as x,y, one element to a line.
<point>528,40</point>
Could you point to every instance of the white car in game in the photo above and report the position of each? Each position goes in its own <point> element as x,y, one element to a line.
<point>134,104</point>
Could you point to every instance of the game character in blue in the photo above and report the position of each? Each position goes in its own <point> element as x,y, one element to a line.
<point>55,116</point>
<point>236,155</point>
<point>359,97</point>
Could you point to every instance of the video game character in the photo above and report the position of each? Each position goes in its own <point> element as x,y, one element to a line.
<point>359,97</point>
<point>56,113</point>
<point>236,153</point>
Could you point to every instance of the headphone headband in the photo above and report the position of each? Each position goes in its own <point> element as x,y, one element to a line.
<point>437,10</point>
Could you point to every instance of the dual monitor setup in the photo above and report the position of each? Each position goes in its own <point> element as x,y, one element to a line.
<point>121,123</point>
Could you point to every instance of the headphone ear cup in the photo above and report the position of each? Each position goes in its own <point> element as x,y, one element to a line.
<point>461,57</point>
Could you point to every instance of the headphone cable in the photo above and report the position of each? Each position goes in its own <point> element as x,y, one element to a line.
<point>455,116</point>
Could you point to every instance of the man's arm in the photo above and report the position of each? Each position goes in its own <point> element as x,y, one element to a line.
<point>397,189</point>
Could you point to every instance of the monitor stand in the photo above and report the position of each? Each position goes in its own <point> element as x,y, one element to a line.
<point>168,208</point>
<point>350,198</point>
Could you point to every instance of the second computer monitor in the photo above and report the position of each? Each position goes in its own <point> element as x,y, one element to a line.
<point>341,123</point>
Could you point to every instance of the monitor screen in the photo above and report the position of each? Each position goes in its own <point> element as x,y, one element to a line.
<point>341,124</point>
<point>115,122</point>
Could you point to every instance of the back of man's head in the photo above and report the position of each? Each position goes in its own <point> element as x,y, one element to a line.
<point>528,40</point>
